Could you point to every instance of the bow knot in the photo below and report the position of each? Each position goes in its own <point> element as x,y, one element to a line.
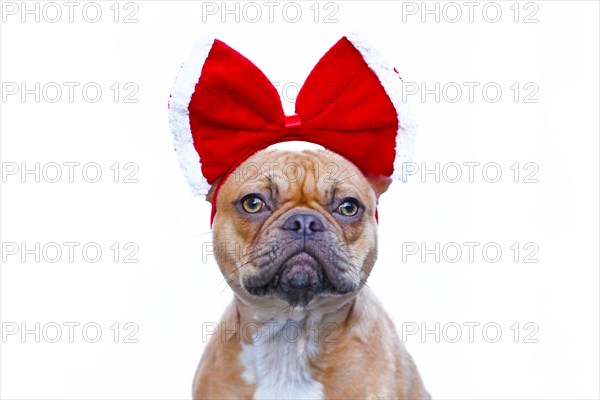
<point>293,123</point>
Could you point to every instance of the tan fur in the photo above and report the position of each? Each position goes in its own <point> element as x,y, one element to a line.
<point>359,353</point>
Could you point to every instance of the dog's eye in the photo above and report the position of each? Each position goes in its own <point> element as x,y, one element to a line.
<point>252,204</point>
<point>349,207</point>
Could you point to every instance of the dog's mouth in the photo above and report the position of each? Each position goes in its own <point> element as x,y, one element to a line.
<point>298,280</point>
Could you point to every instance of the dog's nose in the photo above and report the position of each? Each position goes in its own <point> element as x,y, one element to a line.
<point>303,224</point>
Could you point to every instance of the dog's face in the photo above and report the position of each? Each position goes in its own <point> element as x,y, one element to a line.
<point>296,227</point>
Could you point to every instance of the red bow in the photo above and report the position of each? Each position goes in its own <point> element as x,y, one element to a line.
<point>231,110</point>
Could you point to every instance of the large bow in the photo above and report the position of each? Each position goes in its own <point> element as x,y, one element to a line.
<point>223,109</point>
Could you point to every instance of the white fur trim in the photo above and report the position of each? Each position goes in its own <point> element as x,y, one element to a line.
<point>407,128</point>
<point>179,116</point>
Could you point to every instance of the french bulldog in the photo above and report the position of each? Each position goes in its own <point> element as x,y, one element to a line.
<point>295,236</point>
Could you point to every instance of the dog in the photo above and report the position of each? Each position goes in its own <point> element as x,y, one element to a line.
<point>295,234</point>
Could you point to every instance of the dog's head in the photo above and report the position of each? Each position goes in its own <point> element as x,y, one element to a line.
<point>295,227</point>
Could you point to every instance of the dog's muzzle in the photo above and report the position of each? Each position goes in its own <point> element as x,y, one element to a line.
<point>303,265</point>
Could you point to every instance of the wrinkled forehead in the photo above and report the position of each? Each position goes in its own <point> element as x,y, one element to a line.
<point>316,172</point>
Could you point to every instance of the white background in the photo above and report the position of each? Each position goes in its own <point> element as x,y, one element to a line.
<point>172,291</point>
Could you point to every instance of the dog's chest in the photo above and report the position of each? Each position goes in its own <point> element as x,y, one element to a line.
<point>277,363</point>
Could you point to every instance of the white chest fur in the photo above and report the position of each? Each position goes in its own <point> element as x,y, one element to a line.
<point>277,362</point>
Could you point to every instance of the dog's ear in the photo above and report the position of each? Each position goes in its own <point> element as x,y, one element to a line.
<point>211,192</point>
<point>379,183</point>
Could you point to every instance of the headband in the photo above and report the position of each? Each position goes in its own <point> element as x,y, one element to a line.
<point>223,109</point>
